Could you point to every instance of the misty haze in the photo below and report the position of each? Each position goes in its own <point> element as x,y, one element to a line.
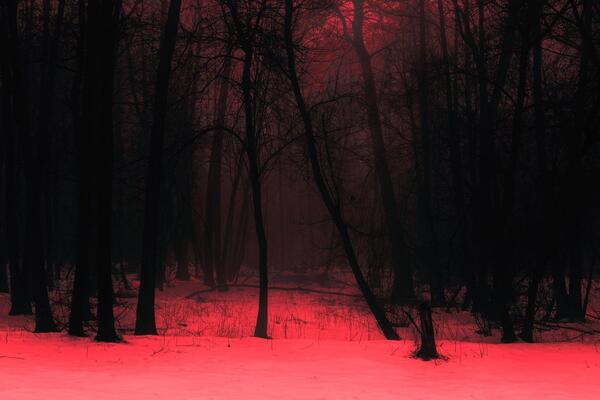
<point>299,199</point>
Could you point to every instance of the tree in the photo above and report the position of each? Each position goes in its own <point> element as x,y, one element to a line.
<point>245,33</point>
<point>102,18</point>
<point>145,322</point>
<point>212,229</point>
<point>328,198</point>
<point>21,129</point>
<point>81,114</point>
<point>403,283</point>
<point>427,155</point>
<point>427,349</point>
<point>19,293</point>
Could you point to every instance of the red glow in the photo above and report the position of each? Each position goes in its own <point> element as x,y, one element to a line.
<point>302,362</point>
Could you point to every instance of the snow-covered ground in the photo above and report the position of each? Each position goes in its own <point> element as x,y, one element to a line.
<point>57,367</point>
<point>325,346</point>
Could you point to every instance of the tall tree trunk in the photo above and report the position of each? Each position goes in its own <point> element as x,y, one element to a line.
<point>46,128</point>
<point>38,164</point>
<point>228,236</point>
<point>427,245</point>
<point>212,231</point>
<point>487,210</point>
<point>503,268</point>
<point>19,294</point>
<point>33,258</point>
<point>103,21</point>
<point>145,323</point>
<point>80,305</point>
<point>252,150</point>
<point>239,239</point>
<point>252,146</point>
<point>543,246</point>
<point>455,142</point>
<point>3,261</point>
<point>573,185</point>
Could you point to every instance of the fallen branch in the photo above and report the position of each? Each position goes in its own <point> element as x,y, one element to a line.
<point>282,288</point>
<point>567,327</point>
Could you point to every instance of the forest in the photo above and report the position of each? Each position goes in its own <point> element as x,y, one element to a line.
<point>421,175</point>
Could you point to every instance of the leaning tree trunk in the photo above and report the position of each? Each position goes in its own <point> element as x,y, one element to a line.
<point>332,206</point>
<point>145,323</point>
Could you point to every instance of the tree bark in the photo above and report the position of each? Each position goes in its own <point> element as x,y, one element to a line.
<point>427,350</point>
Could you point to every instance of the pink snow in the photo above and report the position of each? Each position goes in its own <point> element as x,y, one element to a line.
<point>325,347</point>
<point>57,367</point>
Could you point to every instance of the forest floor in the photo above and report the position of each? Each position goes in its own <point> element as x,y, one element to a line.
<point>325,346</point>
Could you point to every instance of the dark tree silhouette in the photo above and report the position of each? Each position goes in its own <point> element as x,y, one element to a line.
<point>427,348</point>
<point>102,18</point>
<point>17,131</point>
<point>246,33</point>
<point>403,289</point>
<point>145,323</point>
<point>81,112</point>
<point>328,198</point>
<point>213,258</point>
